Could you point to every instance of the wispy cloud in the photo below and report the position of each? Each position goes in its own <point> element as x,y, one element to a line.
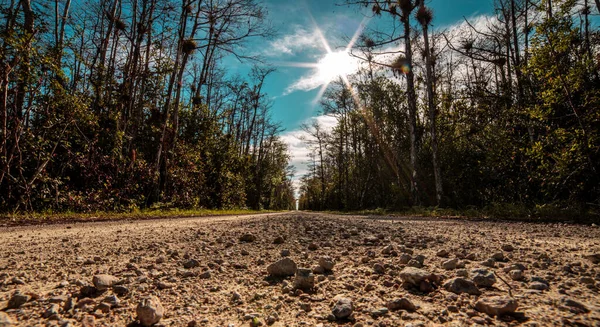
<point>298,148</point>
<point>299,41</point>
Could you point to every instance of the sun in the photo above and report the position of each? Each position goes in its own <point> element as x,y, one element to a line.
<point>335,65</point>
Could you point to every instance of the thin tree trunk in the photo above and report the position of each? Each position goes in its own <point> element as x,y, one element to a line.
<point>412,111</point>
<point>439,193</point>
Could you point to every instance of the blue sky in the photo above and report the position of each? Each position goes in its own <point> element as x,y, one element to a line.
<point>293,89</point>
<point>291,19</point>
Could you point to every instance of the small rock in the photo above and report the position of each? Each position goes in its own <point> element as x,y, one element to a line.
<point>282,268</point>
<point>104,307</point>
<point>507,248</point>
<point>498,256</point>
<point>587,280</point>
<point>304,279</point>
<point>450,264</point>
<point>285,253</point>
<point>442,253</point>
<point>380,312</point>
<point>17,300</point>
<point>104,282</point>
<point>593,257</point>
<point>343,308</point>
<point>401,304</point>
<point>461,273</point>
<point>313,247</point>
<point>460,285</point>
<point>326,262</point>
<point>415,263</point>
<point>516,275</point>
<point>247,238</point>
<point>378,268</point>
<point>497,305</point>
<point>405,258</point>
<point>318,270</point>
<point>150,311</point>
<point>192,263</point>
<point>164,285</point>
<point>205,275</point>
<point>415,276</point>
<point>5,320</point>
<point>113,300</point>
<point>387,250</point>
<point>120,290</point>
<point>490,263</point>
<point>305,306</point>
<point>574,306</point>
<point>537,286</point>
<point>279,240</point>
<point>236,297</point>
<point>52,312</point>
<point>483,277</point>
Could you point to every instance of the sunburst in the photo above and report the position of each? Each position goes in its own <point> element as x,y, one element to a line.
<point>333,64</point>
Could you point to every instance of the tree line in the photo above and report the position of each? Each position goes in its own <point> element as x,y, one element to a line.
<point>126,104</point>
<point>498,111</point>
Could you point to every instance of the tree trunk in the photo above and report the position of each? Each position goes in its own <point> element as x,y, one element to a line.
<point>439,193</point>
<point>412,111</point>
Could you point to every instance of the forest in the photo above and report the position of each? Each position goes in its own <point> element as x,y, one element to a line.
<point>129,104</point>
<point>501,112</point>
<point>126,104</point>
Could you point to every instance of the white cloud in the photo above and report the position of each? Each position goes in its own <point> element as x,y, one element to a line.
<point>300,40</point>
<point>299,150</point>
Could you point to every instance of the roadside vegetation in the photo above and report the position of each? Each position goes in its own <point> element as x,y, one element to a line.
<point>496,116</point>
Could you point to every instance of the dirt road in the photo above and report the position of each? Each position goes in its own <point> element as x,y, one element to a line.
<point>386,272</point>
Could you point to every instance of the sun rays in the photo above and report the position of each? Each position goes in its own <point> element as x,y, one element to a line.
<point>331,65</point>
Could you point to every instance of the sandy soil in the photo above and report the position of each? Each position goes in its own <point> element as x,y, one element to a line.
<point>550,271</point>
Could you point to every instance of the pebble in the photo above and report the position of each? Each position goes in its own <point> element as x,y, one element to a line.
<point>401,304</point>
<point>497,305</point>
<point>593,257</point>
<point>378,268</point>
<point>17,300</point>
<point>52,312</point>
<point>120,290</point>
<point>459,285</point>
<point>192,263</point>
<point>483,277</point>
<point>248,238</point>
<point>507,248</point>
<point>498,256</point>
<point>387,250</point>
<point>516,275</point>
<point>442,253</point>
<point>343,308</point>
<point>103,282</point>
<point>326,262</point>
<point>450,264</point>
<point>304,280</point>
<point>285,253</point>
<point>5,320</point>
<point>313,247</point>
<point>282,268</point>
<point>380,312</point>
<point>150,311</point>
<point>539,286</point>
<point>574,306</point>
<point>415,276</point>
<point>490,263</point>
<point>112,300</point>
<point>278,240</point>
